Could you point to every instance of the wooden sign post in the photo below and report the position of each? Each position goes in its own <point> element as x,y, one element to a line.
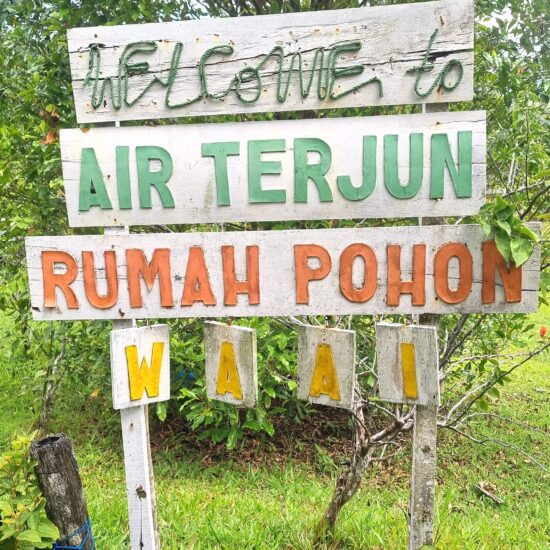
<point>429,164</point>
<point>408,372</point>
<point>140,366</point>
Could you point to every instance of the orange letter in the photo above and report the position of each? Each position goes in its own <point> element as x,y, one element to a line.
<point>416,287</point>
<point>441,272</point>
<point>302,253</point>
<point>90,282</point>
<point>159,265</point>
<point>370,279</point>
<point>250,286</point>
<point>196,287</point>
<point>61,280</point>
<point>511,277</point>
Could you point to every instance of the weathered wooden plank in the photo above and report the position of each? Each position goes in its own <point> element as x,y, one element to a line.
<point>231,365</point>
<point>140,489</point>
<point>138,464</point>
<point>140,366</point>
<point>170,69</point>
<point>276,273</point>
<point>397,384</point>
<point>326,366</point>
<point>202,189</point>
<point>423,478</point>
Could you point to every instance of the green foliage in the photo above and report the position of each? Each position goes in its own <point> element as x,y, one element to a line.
<point>23,521</point>
<point>276,373</point>
<point>512,83</point>
<point>514,240</point>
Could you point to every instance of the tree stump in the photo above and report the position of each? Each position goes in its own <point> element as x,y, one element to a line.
<point>59,480</point>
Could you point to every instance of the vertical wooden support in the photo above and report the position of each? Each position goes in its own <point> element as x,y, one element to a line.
<point>140,489</point>
<point>59,480</point>
<point>423,479</point>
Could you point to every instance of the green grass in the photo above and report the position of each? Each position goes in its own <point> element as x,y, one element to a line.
<point>231,504</point>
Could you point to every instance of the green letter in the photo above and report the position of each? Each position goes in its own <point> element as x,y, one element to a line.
<point>220,151</point>
<point>158,179</point>
<point>92,187</point>
<point>123,177</point>
<point>441,157</point>
<point>316,172</point>
<point>257,167</point>
<point>416,166</point>
<point>369,174</point>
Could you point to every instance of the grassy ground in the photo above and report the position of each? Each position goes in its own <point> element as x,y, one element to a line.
<point>229,504</point>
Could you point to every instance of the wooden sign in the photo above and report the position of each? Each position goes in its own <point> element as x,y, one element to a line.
<point>231,364</point>
<point>140,366</point>
<point>388,55</point>
<point>409,270</point>
<point>336,168</point>
<point>326,366</point>
<point>408,363</point>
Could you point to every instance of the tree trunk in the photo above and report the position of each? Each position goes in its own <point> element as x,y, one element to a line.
<point>349,480</point>
<point>59,480</point>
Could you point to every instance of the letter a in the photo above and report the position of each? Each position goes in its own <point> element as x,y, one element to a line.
<point>324,379</point>
<point>228,380</point>
<point>142,378</point>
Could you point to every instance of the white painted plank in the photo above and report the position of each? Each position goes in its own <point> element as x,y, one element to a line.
<point>144,339</point>
<point>243,342</point>
<point>342,352</point>
<point>391,40</point>
<point>139,478</point>
<point>277,294</point>
<point>138,464</point>
<point>193,183</point>
<point>389,337</point>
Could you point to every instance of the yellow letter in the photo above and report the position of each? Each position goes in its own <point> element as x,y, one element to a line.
<point>408,364</point>
<point>324,379</point>
<point>144,378</point>
<point>228,376</point>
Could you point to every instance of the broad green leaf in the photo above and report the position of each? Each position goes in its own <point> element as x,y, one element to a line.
<point>503,245</point>
<point>162,409</point>
<point>521,250</point>
<point>48,530</point>
<point>525,231</point>
<point>30,535</point>
<point>505,226</point>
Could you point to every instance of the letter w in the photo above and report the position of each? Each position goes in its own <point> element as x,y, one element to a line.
<point>144,378</point>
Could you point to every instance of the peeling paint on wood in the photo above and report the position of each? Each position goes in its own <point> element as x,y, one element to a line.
<point>277,273</point>
<point>231,367</point>
<point>140,366</point>
<point>211,165</point>
<point>326,366</point>
<point>407,360</point>
<point>350,58</point>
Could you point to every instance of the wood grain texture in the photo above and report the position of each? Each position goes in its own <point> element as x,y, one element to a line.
<point>59,480</point>
<point>143,338</point>
<point>193,184</point>
<point>243,340</point>
<point>138,464</point>
<point>277,272</point>
<point>342,345</point>
<point>389,337</point>
<point>423,478</point>
<point>393,39</point>
<point>139,478</point>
